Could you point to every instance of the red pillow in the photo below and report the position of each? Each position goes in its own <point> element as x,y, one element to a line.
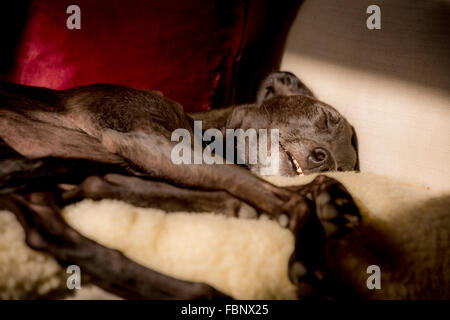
<point>179,47</point>
<point>201,53</point>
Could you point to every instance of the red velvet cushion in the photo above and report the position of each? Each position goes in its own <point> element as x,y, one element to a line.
<point>181,48</point>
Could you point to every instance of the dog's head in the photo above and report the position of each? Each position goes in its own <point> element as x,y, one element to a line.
<point>313,136</point>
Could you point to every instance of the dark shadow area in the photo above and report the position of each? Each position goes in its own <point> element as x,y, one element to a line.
<point>413,43</point>
<point>13,15</point>
<point>201,54</point>
<point>267,24</point>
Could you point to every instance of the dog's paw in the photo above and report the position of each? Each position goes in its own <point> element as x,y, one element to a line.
<point>336,210</point>
<point>280,83</point>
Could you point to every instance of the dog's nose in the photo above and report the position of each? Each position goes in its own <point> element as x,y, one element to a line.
<point>318,158</point>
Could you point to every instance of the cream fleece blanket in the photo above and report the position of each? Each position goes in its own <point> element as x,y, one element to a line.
<point>247,259</point>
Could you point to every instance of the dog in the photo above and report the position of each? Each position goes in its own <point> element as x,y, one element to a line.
<point>125,134</point>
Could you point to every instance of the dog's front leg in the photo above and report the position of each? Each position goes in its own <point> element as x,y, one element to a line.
<point>151,153</point>
<point>46,231</point>
<point>156,194</point>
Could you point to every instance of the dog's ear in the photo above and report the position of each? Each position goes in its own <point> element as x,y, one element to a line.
<point>355,145</point>
<point>280,83</point>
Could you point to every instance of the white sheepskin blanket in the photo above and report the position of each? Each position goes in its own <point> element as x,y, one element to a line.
<point>247,259</point>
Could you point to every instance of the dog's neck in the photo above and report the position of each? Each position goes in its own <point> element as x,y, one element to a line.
<point>215,119</point>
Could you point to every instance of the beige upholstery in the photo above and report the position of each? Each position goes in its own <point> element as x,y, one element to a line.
<point>392,84</point>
